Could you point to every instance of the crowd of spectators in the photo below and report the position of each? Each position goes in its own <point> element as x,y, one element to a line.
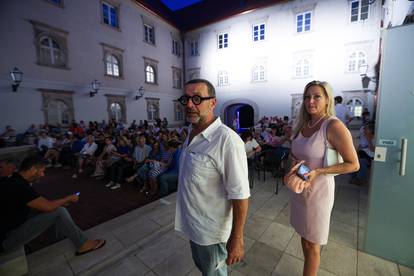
<point>140,152</point>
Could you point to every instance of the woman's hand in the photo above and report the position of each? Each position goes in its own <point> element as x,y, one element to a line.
<point>294,182</point>
<point>312,175</point>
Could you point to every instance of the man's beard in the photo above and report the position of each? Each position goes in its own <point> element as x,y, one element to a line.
<point>193,116</point>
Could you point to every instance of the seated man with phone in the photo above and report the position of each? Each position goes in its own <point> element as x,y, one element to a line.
<point>20,225</point>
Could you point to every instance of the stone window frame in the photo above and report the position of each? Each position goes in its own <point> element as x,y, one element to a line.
<point>304,55</point>
<point>178,111</point>
<point>223,74</point>
<point>303,26</point>
<point>259,63</point>
<point>176,44</point>
<point>357,60</point>
<point>121,100</point>
<point>146,22</point>
<point>42,30</point>
<point>154,64</point>
<point>155,102</point>
<point>117,6</point>
<point>177,77</point>
<point>359,11</point>
<point>221,44</point>
<point>264,32</point>
<point>64,96</point>
<point>194,49</point>
<point>118,54</point>
<point>192,71</point>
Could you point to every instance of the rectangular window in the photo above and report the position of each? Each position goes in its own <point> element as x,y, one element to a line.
<point>359,10</point>
<point>153,107</point>
<point>259,32</point>
<point>303,22</point>
<point>259,73</point>
<point>178,111</point>
<point>177,79</point>
<point>110,15</point>
<point>176,49</point>
<point>149,36</point>
<point>223,40</point>
<point>194,48</point>
<point>223,78</point>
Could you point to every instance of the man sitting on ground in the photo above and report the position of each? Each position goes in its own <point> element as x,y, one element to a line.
<point>18,198</point>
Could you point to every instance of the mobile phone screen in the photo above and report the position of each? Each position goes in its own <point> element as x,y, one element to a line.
<point>78,193</point>
<point>302,170</point>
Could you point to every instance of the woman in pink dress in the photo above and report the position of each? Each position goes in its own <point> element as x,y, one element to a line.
<point>317,125</point>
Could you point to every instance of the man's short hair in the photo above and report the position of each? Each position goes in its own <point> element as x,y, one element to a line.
<point>210,88</point>
<point>32,161</point>
<point>338,99</point>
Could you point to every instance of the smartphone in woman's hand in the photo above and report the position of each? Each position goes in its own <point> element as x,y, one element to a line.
<point>302,170</point>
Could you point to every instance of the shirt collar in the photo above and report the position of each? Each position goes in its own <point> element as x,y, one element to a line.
<point>207,133</point>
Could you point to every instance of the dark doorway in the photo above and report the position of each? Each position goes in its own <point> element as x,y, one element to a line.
<point>239,116</point>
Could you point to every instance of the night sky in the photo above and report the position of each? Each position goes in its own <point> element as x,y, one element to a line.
<point>179,4</point>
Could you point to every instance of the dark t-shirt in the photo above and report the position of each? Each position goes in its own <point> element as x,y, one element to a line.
<point>16,192</point>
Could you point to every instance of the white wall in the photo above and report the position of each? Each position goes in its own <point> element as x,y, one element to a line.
<point>329,42</point>
<point>82,20</point>
<point>395,11</point>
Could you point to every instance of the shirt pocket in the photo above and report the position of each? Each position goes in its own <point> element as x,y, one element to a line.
<point>203,169</point>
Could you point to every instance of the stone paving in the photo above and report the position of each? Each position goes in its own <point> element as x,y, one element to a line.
<point>143,242</point>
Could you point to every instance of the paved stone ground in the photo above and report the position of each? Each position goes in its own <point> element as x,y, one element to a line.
<point>143,242</point>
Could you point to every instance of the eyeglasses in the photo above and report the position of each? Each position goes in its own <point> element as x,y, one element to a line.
<point>195,99</point>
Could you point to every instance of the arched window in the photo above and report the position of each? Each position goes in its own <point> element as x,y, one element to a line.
<point>58,113</point>
<point>355,60</point>
<point>302,68</point>
<point>149,74</point>
<point>116,111</point>
<point>355,106</point>
<point>51,51</point>
<point>223,78</point>
<point>259,73</point>
<point>112,65</point>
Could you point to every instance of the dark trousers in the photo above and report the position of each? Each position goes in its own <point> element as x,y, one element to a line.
<point>118,170</point>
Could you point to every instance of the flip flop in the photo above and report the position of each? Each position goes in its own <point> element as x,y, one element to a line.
<point>100,244</point>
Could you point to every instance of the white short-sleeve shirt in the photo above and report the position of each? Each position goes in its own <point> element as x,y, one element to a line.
<point>213,171</point>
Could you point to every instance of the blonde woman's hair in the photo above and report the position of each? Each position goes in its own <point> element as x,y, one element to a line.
<point>303,117</point>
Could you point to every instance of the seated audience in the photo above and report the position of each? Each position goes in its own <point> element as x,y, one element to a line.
<point>20,225</point>
<point>86,154</point>
<point>44,143</point>
<point>169,179</point>
<point>250,144</point>
<point>120,167</point>
<point>53,154</point>
<point>105,159</point>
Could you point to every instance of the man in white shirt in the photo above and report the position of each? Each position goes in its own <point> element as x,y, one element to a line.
<point>213,186</point>
<point>342,112</point>
<point>86,153</point>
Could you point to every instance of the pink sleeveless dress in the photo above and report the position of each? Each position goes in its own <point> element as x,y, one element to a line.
<point>310,211</point>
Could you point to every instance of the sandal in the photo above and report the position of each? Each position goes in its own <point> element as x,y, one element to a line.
<point>99,244</point>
